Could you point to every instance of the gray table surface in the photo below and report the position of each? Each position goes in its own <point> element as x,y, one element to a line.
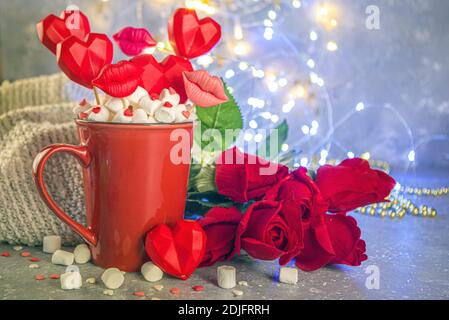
<point>412,256</point>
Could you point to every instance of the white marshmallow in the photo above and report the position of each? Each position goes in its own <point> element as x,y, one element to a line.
<point>151,119</point>
<point>165,115</point>
<point>62,257</point>
<point>121,116</point>
<point>151,272</point>
<point>226,277</point>
<point>135,97</point>
<point>112,278</point>
<point>99,113</point>
<point>140,116</point>
<point>51,244</point>
<point>116,104</point>
<point>71,280</point>
<point>166,96</point>
<point>288,275</point>
<point>150,106</point>
<point>82,253</point>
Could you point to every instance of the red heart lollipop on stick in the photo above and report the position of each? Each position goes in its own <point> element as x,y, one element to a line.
<point>53,30</point>
<point>203,89</point>
<point>191,37</point>
<point>119,80</point>
<point>177,251</point>
<point>132,41</point>
<point>168,73</point>
<point>82,60</point>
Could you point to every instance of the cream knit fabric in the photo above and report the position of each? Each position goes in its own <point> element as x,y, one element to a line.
<point>25,128</point>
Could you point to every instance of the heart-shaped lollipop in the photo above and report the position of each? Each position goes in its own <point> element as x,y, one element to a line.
<point>83,60</point>
<point>191,37</point>
<point>119,80</point>
<point>168,73</point>
<point>177,251</point>
<point>203,89</point>
<point>132,41</point>
<point>53,30</point>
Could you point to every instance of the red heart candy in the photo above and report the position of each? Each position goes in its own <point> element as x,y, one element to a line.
<point>119,80</point>
<point>191,37</point>
<point>168,73</point>
<point>53,30</point>
<point>83,60</point>
<point>132,41</point>
<point>177,251</point>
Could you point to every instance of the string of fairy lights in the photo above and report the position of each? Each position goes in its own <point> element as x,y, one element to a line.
<point>232,58</point>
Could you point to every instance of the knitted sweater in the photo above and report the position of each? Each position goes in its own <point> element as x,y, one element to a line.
<point>25,128</point>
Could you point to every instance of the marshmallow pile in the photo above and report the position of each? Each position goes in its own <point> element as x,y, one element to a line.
<point>140,107</point>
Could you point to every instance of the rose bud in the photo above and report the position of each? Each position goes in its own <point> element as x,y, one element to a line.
<point>353,184</point>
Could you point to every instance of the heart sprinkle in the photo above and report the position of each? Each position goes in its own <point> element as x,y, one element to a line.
<point>198,288</point>
<point>34,259</point>
<point>83,115</point>
<point>139,294</point>
<point>54,276</point>
<point>96,109</point>
<point>168,104</point>
<point>5,254</point>
<point>25,254</point>
<point>175,290</point>
<point>186,114</point>
<point>84,103</point>
<point>128,112</point>
<point>39,277</point>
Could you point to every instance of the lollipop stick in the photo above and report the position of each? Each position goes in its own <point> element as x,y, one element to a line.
<point>97,97</point>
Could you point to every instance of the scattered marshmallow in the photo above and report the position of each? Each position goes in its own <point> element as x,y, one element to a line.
<point>226,277</point>
<point>116,104</point>
<point>124,116</point>
<point>82,253</point>
<point>91,280</point>
<point>108,292</point>
<point>62,257</point>
<point>33,266</point>
<point>288,275</point>
<point>237,293</point>
<point>243,283</point>
<point>149,105</point>
<point>17,248</point>
<point>99,113</point>
<point>51,243</point>
<point>140,116</point>
<point>112,278</point>
<point>151,272</point>
<point>71,280</point>
<point>155,298</point>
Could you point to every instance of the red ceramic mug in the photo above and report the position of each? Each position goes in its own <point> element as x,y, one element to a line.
<point>131,184</point>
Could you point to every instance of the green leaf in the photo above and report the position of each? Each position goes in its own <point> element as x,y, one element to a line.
<point>217,119</point>
<point>282,133</point>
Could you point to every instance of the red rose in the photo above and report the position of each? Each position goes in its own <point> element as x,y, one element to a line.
<point>300,188</point>
<point>220,225</point>
<point>271,230</point>
<point>352,184</point>
<point>345,237</point>
<point>243,177</point>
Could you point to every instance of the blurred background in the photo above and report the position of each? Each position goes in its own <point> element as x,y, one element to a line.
<point>352,78</point>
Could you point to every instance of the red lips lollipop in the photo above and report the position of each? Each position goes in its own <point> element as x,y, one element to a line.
<point>132,41</point>
<point>119,80</point>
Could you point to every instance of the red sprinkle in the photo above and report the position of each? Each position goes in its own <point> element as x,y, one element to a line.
<point>34,259</point>
<point>128,112</point>
<point>186,114</point>
<point>25,254</point>
<point>39,277</point>
<point>168,104</point>
<point>96,109</point>
<point>83,115</point>
<point>5,254</point>
<point>175,290</point>
<point>139,294</point>
<point>84,103</point>
<point>154,96</point>
<point>54,276</point>
<point>198,288</point>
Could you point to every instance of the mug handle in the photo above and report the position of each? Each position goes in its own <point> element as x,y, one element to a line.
<point>83,156</point>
